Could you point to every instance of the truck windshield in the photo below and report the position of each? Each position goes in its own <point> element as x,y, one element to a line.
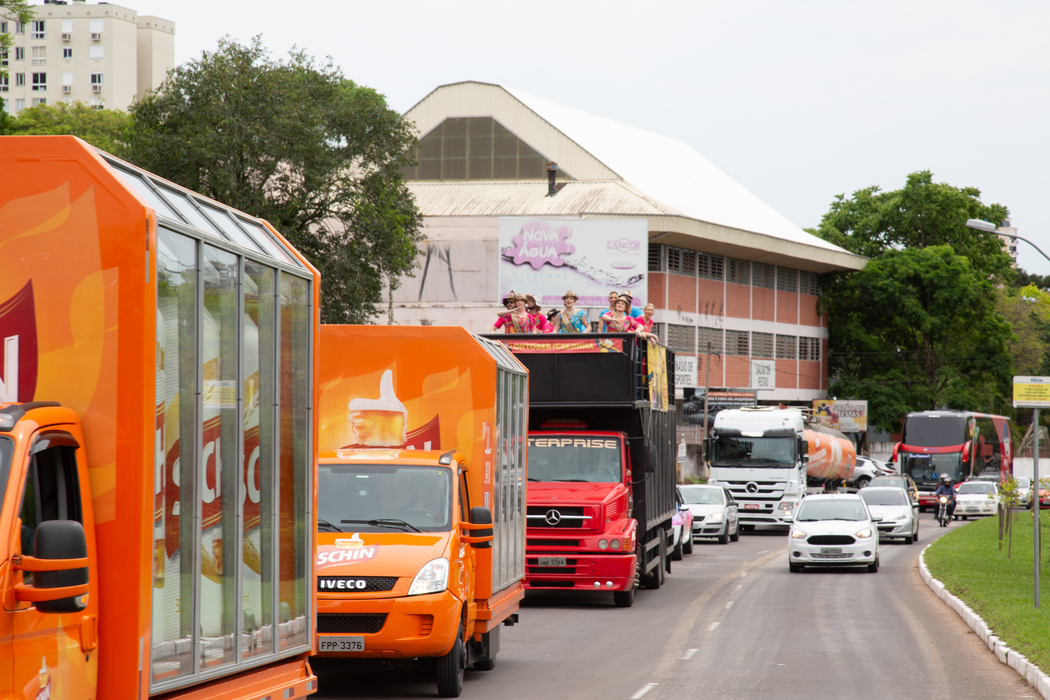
<point>383,498</point>
<point>7,448</point>
<point>776,452</point>
<point>575,458</point>
<point>926,469</point>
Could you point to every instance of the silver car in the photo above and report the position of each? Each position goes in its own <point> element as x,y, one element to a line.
<point>900,517</point>
<point>833,529</point>
<point>715,512</point>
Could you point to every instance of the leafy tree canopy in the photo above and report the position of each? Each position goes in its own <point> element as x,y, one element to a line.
<point>99,127</point>
<point>295,143</point>
<point>923,213</point>
<point>918,329</point>
<point>13,11</point>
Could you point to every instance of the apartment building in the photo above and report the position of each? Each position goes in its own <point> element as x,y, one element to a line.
<point>102,54</point>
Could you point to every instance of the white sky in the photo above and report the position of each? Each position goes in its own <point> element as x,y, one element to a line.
<point>797,100</point>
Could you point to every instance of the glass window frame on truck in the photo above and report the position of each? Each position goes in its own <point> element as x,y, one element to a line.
<point>954,443</point>
<point>605,536</point>
<point>181,334</point>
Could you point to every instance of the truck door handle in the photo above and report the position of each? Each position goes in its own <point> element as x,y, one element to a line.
<point>89,633</point>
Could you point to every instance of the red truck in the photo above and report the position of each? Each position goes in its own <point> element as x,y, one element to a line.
<point>601,463</point>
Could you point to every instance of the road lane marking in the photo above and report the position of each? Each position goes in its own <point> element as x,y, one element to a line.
<point>729,605</point>
<point>711,627</point>
<point>762,552</point>
<point>689,654</point>
<point>739,586</point>
<point>643,691</point>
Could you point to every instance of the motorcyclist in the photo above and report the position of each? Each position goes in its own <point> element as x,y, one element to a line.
<point>945,489</point>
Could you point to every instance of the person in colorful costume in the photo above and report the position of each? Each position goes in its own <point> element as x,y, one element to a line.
<point>518,320</point>
<point>645,324</point>
<point>540,323</point>
<point>633,311</point>
<point>613,296</point>
<point>619,321</point>
<point>570,319</point>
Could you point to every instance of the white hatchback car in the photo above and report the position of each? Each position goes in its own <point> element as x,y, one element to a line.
<point>976,498</point>
<point>834,529</point>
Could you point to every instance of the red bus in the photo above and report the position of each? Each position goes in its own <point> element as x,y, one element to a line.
<point>962,444</point>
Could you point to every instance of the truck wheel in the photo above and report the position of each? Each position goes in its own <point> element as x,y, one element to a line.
<point>624,599</point>
<point>655,578</point>
<point>485,665</point>
<point>862,482</point>
<point>450,668</point>
<point>665,560</point>
<point>688,546</point>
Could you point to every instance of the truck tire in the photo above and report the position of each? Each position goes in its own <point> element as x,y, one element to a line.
<point>624,599</point>
<point>667,553</point>
<point>655,578</point>
<point>450,668</point>
<point>862,482</point>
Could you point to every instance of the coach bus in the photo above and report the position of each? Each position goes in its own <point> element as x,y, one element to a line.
<point>961,444</point>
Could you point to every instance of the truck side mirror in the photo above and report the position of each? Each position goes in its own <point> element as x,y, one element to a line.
<point>59,563</point>
<point>480,528</point>
<point>803,451</point>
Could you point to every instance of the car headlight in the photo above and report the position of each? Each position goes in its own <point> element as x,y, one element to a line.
<point>864,534</point>
<point>797,534</point>
<point>432,578</point>
<point>714,518</point>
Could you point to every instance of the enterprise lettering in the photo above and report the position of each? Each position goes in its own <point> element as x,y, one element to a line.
<point>573,442</point>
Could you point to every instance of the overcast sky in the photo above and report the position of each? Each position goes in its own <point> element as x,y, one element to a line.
<point>797,100</point>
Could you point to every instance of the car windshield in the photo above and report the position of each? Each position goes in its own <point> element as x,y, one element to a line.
<point>777,452</point>
<point>703,495</point>
<point>891,481</point>
<point>574,458</point>
<point>1023,482</point>
<point>844,509</point>
<point>383,497</point>
<point>976,487</point>
<point>884,497</point>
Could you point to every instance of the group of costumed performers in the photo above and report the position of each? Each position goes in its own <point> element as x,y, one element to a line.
<point>523,315</point>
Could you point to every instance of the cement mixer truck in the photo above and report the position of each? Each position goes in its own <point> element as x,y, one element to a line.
<point>766,457</point>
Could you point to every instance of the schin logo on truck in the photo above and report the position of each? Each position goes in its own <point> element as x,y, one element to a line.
<point>346,551</point>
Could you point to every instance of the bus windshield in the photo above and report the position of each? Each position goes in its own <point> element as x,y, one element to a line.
<point>383,498</point>
<point>926,469</point>
<point>575,458</point>
<point>774,452</point>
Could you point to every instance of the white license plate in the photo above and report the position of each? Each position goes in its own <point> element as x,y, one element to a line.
<point>972,509</point>
<point>552,561</point>
<point>340,643</point>
<point>831,550</point>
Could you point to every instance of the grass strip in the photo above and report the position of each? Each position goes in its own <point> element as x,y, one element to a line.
<point>969,563</point>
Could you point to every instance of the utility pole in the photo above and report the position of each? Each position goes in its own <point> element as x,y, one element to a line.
<point>707,385</point>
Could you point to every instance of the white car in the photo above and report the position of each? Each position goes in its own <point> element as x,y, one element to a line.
<point>715,512</point>
<point>900,517</point>
<point>976,498</point>
<point>865,470</point>
<point>834,529</point>
<point>1024,491</point>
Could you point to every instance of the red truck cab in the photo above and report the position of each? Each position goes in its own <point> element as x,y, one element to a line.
<point>580,533</point>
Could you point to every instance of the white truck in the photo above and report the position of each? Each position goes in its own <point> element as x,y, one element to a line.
<point>766,456</point>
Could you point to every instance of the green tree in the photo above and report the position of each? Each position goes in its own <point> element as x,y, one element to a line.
<point>295,143</point>
<point>918,329</point>
<point>99,127</point>
<point>11,11</point>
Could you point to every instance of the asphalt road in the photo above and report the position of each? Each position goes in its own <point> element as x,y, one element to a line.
<point>732,622</point>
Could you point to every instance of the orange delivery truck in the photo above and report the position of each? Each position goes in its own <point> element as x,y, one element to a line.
<point>157,439</point>
<point>421,498</point>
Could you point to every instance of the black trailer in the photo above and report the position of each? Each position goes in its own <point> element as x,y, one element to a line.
<point>603,380</point>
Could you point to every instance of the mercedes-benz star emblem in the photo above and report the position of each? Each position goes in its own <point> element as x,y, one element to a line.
<point>553,517</point>
<point>752,487</point>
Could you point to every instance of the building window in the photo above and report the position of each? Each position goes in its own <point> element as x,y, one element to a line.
<point>787,347</point>
<point>96,103</point>
<point>38,29</point>
<point>737,343</point>
<point>809,283</point>
<point>681,261</point>
<point>20,28</point>
<point>710,266</point>
<point>476,148</point>
<point>67,52</point>
<point>787,279</point>
<point>96,52</point>
<point>20,104</point>
<point>20,53</point>
<point>39,55</point>
<point>739,271</point>
<point>37,101</point>
<point>709,340</point>
<point>660,331</point>
<point>681,338</point>
<point>5,84</point>
<point>7,105</point>
<point>762,345</point>
<point>809,349</point>
<point>3,27</point>
<point>96,79</point>
<point>39,81</point>
<point>20,79</point>
<point>763,275</point>
<point>67,26</point>
<point>4,57</point>
<point>655,258</point>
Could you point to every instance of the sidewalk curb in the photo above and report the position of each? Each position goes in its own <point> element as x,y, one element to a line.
<point>1030,672</point>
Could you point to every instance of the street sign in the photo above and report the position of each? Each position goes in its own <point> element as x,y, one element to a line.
<point>1031,392</point>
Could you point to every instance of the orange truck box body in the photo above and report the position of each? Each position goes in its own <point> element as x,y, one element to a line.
<point>400,395</point>
<point>80,325</point>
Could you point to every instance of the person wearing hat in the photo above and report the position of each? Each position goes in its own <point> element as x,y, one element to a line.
<point>570,319</point>
<point>539,321</point>
<point>619,321</point>
<point>518,320</point>
<point>613,296</point>
<point>634,311</point>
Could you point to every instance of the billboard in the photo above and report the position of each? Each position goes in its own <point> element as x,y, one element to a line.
<point>545,257</point>
<point>844,416</point>
<point>684,370</point>
<point>1029,392</point>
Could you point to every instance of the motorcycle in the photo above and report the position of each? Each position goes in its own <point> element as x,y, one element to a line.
<point>942,510</point>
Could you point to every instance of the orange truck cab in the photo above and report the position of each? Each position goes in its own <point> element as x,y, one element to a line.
<point>157,443</point>
<point>421,497</point>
